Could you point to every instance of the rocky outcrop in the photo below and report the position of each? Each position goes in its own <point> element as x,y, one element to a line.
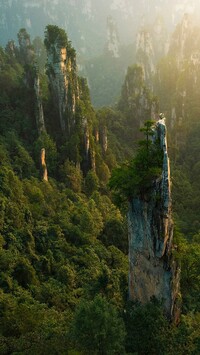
<point>73,119</point>
<point>185,51</point>
<point>160,38</point>
<point>137,99</point>
<point>43,165</point>
<point>27,58</point>
<point>11,49</point>
<point>38,106</point>
<point>86,139</point>
<point>113,43</point>
<point>25,48</point>
<point>184,45</point>
<point>104,139</point>
<point>153,271</point>
<point>145,53</point>
<point>62,74</point>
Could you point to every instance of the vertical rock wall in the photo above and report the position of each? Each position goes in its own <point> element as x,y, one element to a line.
<point>38,106</point>
<point>113,42</point>
<point>136,99</point>
<point>153,271</point>
<point>63,82</point>
<point>145,53</point>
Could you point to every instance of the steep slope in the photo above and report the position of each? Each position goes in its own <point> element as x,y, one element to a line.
<point>63,244</point>
<point>55,226</point>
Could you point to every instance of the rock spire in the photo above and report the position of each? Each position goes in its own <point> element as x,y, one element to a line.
<point>153,270</point>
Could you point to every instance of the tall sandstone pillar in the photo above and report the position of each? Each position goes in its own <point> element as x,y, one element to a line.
<point>153,270</point>
<point>43,165</point>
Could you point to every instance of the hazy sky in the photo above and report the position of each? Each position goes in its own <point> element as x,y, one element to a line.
<point>85,20</point>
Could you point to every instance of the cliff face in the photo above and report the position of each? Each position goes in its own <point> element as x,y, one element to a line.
<point>160,37</point>
<point>184,44</point>
<point>38,106</point>
<point>180,45</point>
<point>136,98</point>
<point>185,49</point>
<point>113,43</point>
<point>153,271</point>
<point>62,75</point>
<point>145,53</point>
<point>74,116</point>
<point>152,43</point>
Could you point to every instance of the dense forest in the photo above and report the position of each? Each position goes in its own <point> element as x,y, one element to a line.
<point>63,233</point>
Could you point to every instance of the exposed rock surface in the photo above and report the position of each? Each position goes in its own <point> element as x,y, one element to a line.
<point>74,115</point>
<point>43,165</point>
<point>25,47</point>
<point>184,45</point>
<point>104,139</point>
<point>153,271</point>
<point>160,37</point>
<point>113,43</point>
<point>62,76</point>
<point>145,53</point>
<point>137,99</point>
<point>38,106</point>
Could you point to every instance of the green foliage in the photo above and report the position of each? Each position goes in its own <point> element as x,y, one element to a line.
<point>22,163</point>
<point>134,80</point>
<point>105,89</point>
<point>40,52</point>
<point>24,273</point>
<point>147,329</point>
<point>23,34</point>
<point>47,251</point>
<point>115,233</point>
<point>97,328</point>
<point>91,182</point>
<point>71,176</point>
<point>103,171</point>
<point>187,254</point>
<point>45,141</point>
<point>63,244</point>
<point>53,35</point>
<point>136,177</point>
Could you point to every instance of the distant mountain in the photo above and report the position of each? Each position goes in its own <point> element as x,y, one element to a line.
<point>86,20</point>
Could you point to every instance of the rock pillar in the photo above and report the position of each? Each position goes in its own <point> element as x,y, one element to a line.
<point>43,165</point>
<point>153,270</point>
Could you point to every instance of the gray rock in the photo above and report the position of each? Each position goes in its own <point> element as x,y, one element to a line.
<point>153,270</point>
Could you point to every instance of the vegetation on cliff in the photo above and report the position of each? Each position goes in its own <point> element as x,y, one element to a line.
<point>63,243</point>
<point>135,178</point>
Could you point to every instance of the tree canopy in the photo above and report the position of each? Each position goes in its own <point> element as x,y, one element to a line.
<point>135,177</point>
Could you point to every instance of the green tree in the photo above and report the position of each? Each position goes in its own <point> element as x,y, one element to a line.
<point>97,328</point>
<point>135,177</point>
<point>72,176</point>
<point>53,35</point>
<point>91,182</point>
<point>147,329</point>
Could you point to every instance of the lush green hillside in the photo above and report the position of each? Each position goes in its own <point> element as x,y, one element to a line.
<point>63,242</point>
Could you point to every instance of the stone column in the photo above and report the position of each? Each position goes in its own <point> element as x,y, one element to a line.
<point>153,270</point>
<point>43,165</point>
